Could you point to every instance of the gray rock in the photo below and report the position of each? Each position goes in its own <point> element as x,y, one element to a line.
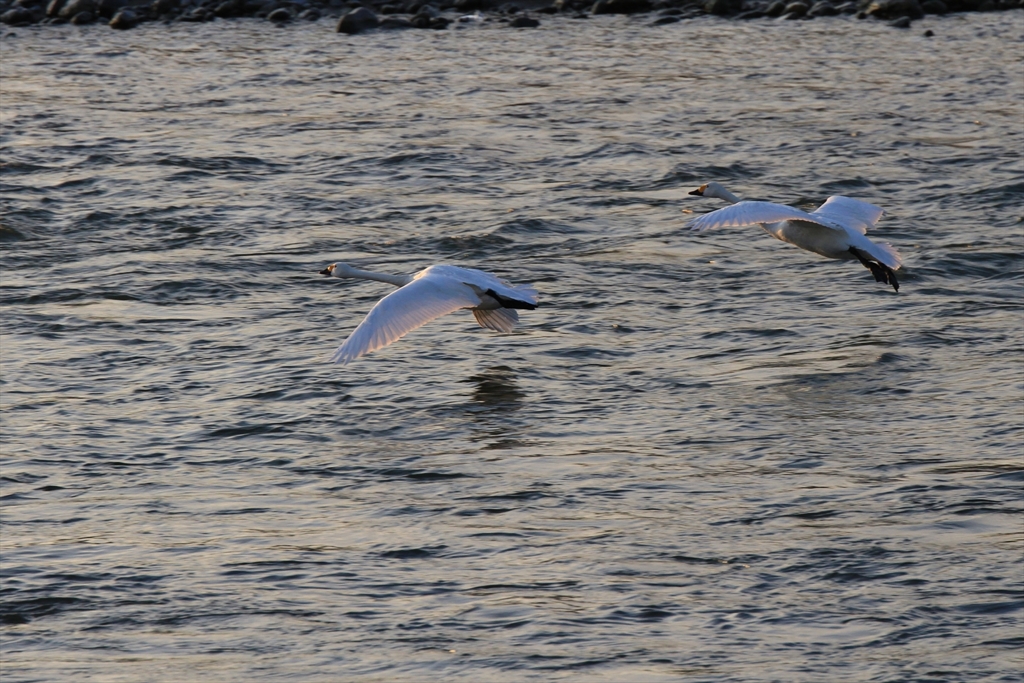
<point>721,8</point>
<point>73,7</point>
<point>53,9</point>
<point>228,8</point>
<point>775,9</point>
<point>902,22</point>
<point>358,21</point>
<point>108,8</point>
<point>163,6</point>
<point>83,18</point>
<point>934,7</point>
<point>823,8</point>
<point>280,16</point>
<point>620,6</point>
<point>894,9</point>
<point>668,19</point>
<point>19,16</point>
<point>311,14</point>
<point>124,19</point>
<point>197,14</point>
<point>795,9</point>
<point>395,23</point>
<point>524,22</point>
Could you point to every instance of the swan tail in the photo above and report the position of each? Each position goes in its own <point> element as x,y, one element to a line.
<point>885,253</point>
<point>498,319</point>
<point>509,302</point>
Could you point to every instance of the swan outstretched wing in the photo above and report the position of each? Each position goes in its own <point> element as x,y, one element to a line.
<point>498,319</point>
<point>852,213</point>
<point>405,309</point>
<point>754,213</point>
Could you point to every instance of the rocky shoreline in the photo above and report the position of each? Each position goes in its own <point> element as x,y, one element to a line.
<point>358,16</point>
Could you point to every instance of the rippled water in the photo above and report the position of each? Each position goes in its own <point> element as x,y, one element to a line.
<point>705,457</point>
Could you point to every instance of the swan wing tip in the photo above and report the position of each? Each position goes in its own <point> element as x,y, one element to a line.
<point>341,356</point>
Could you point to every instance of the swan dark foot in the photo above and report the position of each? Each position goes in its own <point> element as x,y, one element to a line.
<point>882,272</point>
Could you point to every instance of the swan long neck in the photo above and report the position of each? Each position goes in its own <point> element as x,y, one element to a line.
<point>723,193</point>
<point>396,280</point>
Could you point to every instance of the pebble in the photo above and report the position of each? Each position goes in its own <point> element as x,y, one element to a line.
<point>311,14</point>
<point>281,15</point>
<point>524,22</point>
<point>83,18</point>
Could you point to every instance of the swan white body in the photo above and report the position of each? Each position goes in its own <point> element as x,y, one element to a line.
<point>837,229</point>
<point>429,294</point>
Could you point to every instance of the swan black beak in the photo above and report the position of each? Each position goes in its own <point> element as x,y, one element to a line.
<point>325,271</point>
<point>697,192</point>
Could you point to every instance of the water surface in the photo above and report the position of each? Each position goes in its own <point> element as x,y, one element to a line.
<point>706,457</point>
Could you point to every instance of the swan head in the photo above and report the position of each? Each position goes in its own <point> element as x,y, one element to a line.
<point>338,270</point>
<point>711,190</point>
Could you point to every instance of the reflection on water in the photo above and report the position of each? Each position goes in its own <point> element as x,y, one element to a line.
<point>496,388</point>
<point>495,399</point>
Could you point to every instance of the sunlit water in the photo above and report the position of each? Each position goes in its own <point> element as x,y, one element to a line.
<point>705,457</point>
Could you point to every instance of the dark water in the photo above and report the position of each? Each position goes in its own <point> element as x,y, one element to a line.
<point>706,457</point>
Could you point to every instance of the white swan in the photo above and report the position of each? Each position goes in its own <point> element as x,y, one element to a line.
<point>429,294</point>
<point>836,229</point>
